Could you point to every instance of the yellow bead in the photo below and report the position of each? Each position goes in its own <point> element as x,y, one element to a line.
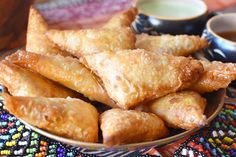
<point>7,143</point>
<point>13,143</point>
<point>210,140</point>
<point>228,140</point>
<point>20,128</point>
<point>5,152</point>
<point>218,141</point>
<point>16,136</point>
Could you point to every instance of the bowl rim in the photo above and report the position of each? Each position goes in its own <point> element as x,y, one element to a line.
<point>133,146</point>
<point>171,18</point>
<point>217,17</point>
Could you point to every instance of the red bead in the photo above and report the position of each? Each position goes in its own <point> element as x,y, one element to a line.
<point>10,124</point>
<point>3,130</point>
<point>200,148</point>
<point>192,144</point>
<point>207,154</point>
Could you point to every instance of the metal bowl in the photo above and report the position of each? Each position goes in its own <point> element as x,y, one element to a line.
<point>215,102</point>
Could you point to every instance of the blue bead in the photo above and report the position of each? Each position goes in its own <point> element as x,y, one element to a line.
<point>207,145</point>
<point>11,118</point>
<point>233,154</point>
<point>60,149</point>
<point>60,155</point>
<point>17,122</point>
<point>69,154</point>
<point>214,151</point>
<point>234,113</point>
<point>201,139</point>
<point>223,117</point>
<point>4,116</point>
<point>11,131</point>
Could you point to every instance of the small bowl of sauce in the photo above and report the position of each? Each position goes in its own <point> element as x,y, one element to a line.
<point>229,35</point>
<point>171,16</point>
<point>221,34</point>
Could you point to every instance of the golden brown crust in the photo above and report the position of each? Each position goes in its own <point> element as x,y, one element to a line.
<point>67,71</point>
<point>89,41</point>
<point>123,19</point>
<point>37,41</point>
<point>21,82</point>
<point>128,126</point>
<point>133,76</point>
<point>179,45</point>
<point>180,110</point>
<point>216,75</point>
<point>71,118</point>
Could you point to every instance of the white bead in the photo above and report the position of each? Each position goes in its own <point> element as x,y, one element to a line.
<point>214,134</point>
<point>191,153</point>
<point>184,151</point>
<point>22,143</point>
<point>27,127</point>
<point>221,133</point>
<point>231,133</point>
<point>26,133</point>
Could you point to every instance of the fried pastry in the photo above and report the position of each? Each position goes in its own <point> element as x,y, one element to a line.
<point>133,76</point>
<point>67,71</point>
<point>179,45</point>
<point>180,110</point>
<point>70,118</point>
<point>37,41</point>
<point>21,82</point>
<point>129,126</point>
<point>89,41</point>
<point>216,75</point>
<point>123,19</point>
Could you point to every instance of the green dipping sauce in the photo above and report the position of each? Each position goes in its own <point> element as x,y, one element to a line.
<point>170,8</point>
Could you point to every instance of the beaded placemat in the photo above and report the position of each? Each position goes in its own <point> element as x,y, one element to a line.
<point>18,140</point>
<point>219,139</point>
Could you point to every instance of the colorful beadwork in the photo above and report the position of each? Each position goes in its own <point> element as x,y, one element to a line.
<point>18,140</point>
<point>217,140</point>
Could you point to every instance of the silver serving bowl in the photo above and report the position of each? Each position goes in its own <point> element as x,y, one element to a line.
<point>215,102</point>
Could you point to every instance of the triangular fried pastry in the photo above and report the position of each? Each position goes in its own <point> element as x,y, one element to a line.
<point>123,19</point>
<point>90,41</point>
<point>133,76</point>
<point>129,126</point>
<point>70,118</point>
<point>180,110</point>
<point>67,71</point>
<point>37,41</point>
<point>21,82</point>
<point>216,75</point>
<point>179,45</point>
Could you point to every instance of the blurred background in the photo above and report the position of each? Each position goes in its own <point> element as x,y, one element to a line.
<point>70,14</point>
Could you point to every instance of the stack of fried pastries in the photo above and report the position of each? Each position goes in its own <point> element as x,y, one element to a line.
<point>115,67</point>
